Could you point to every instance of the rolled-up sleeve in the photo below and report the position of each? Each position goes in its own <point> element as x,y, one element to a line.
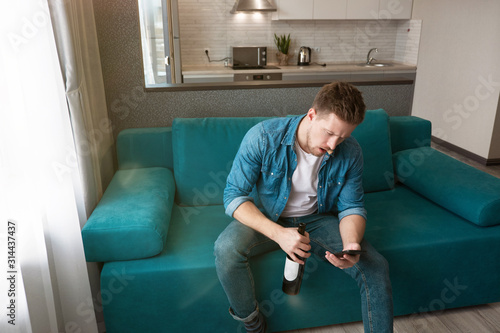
<point>244,172</point>
<point>351,198</point>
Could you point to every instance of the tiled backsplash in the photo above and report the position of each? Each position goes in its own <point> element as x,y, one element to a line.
<point>209,24</point>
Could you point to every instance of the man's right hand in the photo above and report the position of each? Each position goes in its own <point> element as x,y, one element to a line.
<point>288,239</point>
<point>294,244</point>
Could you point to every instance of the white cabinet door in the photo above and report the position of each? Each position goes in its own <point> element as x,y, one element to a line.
<point>330,9</point>
<point>362,9</point>
<point>295,9</point>
<point>395,9</point>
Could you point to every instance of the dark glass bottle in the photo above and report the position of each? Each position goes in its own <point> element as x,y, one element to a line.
<point>292,277</point>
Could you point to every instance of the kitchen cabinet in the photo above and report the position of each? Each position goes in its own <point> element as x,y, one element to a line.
<point>362,9</point>
<point>294,10</point>
<point>329,9</point>
<point>343,9</point>
<point>395,9</point>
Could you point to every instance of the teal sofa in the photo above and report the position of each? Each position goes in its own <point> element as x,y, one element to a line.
<point>435,219</point>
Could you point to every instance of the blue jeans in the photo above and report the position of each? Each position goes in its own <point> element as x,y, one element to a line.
<point>237,243</point>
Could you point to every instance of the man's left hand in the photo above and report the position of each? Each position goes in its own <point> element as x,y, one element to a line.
<point>346,261</point>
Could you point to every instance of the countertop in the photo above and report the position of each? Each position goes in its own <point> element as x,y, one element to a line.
<point>292,69</point>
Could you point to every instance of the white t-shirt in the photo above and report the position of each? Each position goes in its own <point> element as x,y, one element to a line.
<point>303,197</point>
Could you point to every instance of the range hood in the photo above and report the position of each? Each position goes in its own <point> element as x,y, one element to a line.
<point>248,6</point>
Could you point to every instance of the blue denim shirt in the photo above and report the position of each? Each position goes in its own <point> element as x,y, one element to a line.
<point>263,167</point>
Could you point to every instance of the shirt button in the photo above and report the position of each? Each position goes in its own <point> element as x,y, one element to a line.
<point>320,186</point>
<point>285,198</point>
<point>273,174</point>
<point>339,183</point>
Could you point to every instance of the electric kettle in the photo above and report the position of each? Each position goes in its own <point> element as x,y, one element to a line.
<point>304,56</point>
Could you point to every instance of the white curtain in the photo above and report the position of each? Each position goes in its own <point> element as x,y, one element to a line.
<point>55,159</point>
<point>76,39</point>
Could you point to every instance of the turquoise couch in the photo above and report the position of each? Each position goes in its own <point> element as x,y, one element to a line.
<point>435,219</point>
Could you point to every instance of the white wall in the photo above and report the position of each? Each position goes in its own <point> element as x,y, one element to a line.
<point>458,71</point>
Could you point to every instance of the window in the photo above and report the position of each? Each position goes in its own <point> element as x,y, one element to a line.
<point>160,42</point>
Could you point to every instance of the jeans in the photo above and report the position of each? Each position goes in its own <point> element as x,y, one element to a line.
<point>237,243</point>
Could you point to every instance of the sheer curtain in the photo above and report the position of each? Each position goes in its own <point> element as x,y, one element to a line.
<point>55,159</point>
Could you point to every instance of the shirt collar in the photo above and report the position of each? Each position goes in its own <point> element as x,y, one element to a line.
<point>289,137</point>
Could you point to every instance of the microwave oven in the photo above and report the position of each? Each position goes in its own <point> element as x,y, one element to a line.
<point>249,57</point>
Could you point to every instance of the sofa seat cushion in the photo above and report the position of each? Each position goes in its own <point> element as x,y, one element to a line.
<point>432,249</point>
<point>426,247</point>
<point>464,190</point>
<point>180,283</point>
<point>131,220</point>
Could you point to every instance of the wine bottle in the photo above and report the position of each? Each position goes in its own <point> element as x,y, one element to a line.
<point>292,278</point>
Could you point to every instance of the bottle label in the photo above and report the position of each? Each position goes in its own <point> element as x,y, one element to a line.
<point>291,269</point>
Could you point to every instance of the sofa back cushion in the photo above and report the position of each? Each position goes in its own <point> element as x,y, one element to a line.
<point>374,138</point>
<point>204,150</point>
<point>144,148</point>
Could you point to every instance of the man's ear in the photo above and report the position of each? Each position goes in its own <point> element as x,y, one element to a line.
<point>311,114</point>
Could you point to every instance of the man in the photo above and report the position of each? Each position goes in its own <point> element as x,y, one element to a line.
<point>304,169</point>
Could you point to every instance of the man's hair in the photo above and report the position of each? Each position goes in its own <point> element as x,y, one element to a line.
<point>342,99</point>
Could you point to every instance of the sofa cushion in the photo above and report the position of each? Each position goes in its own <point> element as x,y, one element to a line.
<point>204,149</point>
<point>131,220</point>
<point>430,250</point>
<point>409,132</point>
<point>144,148</point>
<point>402,225</point>
<point>374,139</point>
<point>460,188</point>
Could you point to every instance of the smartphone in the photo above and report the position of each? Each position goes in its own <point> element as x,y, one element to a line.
<point>349,252</point>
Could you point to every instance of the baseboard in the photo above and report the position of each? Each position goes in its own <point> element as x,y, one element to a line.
<point>101,327</point>
<point>466,153</point>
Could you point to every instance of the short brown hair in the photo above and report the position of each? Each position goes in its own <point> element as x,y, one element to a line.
<point>343,99</point>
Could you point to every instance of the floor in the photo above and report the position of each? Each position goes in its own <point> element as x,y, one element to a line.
<point>491,169</point>
<point>474,319</point>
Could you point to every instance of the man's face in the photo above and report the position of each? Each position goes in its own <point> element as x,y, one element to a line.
<point>324,133</point>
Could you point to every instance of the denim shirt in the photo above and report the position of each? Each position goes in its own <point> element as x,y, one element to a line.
<point>263,167</point>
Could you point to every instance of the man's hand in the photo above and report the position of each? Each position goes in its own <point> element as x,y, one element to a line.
<point>294,243</point>
<point>346,261</point>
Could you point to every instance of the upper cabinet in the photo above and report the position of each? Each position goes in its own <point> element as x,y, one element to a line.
<point>343,9</point>
<point>329,9</point>
<point>362,9</point>
<point>395,9</point>
<point>295,9</point>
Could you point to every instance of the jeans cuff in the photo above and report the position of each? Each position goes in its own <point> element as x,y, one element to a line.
<point>247,319</point>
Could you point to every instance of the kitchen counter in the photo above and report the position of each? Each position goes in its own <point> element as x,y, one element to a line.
<point>344,71</point>
<point>344,67</point>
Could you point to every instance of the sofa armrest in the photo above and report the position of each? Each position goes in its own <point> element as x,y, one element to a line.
<point>131,220</point>
<point>454,185</point>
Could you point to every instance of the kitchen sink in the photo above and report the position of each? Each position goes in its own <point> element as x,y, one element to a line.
<point>374,65</point>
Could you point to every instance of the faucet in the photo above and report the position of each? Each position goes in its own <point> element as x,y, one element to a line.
<point>368,58</point>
